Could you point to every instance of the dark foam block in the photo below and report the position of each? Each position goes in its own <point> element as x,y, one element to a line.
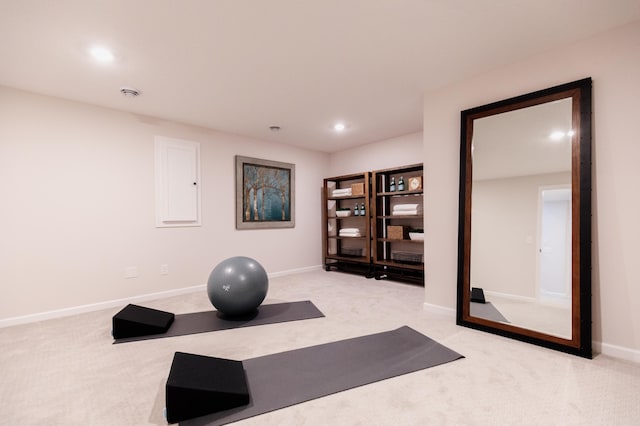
<point>287,378</point>
<point>134,320</point>
<point>199,385</point>
<point>203,322</point>
<point>477,295</point>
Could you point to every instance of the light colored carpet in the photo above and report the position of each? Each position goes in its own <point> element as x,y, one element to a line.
<point>67,371</point>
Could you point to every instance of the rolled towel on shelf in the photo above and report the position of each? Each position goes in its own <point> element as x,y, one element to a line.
<point>343,192</point>
<point>407,207</point>
<point>350,232</point>
<point>406,212</point>
<point>350,229</point>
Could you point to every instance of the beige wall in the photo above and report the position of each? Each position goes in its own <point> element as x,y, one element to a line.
<point>77,197</point>
<point>612,60</point>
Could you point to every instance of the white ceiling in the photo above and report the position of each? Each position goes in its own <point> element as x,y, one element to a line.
<point>518,142</point>
<point>240,66</point>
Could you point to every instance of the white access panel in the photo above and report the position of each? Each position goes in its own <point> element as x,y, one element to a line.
<point>177,182</point>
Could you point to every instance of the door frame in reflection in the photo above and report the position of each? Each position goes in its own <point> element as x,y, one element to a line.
<point>544,293</point>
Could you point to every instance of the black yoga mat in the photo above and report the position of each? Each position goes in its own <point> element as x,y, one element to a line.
<point>202,322</point>
<point>486,311</point>
<point>287,378</point>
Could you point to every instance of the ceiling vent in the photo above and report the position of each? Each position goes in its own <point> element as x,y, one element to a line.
<point>129,92</point>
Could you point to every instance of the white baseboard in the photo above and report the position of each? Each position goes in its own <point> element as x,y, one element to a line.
<point>295,271</point>
<point>59,313</point>
<point>510,296</point>
<point>619,352</point>
<point>614,351</point>
<point>440,310</point>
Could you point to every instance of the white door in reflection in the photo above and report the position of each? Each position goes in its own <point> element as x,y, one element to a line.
<point>554,276</point>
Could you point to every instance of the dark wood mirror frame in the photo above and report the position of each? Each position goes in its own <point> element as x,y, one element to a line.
<point>580,341</point>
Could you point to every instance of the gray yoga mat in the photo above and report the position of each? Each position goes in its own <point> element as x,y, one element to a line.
<point>486,311</point>
<point>203,322</point>
<point>287,378</point>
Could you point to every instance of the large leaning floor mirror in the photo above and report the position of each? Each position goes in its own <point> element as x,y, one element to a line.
<point>524,256</point>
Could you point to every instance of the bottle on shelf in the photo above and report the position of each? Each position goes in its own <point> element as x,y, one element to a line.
<point>362,210</point>
<point>401,184</point>
<point>355,210</point>
<point>392,184</point>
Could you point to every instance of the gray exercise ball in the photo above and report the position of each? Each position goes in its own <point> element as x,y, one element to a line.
<point>237,286</point>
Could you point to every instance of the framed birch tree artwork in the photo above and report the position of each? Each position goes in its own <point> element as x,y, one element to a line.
<point>264,194</point>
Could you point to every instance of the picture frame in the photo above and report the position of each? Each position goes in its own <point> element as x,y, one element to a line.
<point>265,194</point>
<point>415,183</point>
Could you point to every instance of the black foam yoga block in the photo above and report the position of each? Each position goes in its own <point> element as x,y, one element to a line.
<point>136,320</point>
<point>200,385</point>
<point>477,295</point>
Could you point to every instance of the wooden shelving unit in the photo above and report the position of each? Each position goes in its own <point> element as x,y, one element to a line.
<point>349,253</point>
<point>397,256</point>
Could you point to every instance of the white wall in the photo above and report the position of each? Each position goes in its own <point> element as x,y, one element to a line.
<point>77,206</point>
<point>395,152</point>
<point>504,232</point>
<point>612,60</point>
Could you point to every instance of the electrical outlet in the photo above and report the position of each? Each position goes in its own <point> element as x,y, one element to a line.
<point>131,272</point>
<point>164,269</point>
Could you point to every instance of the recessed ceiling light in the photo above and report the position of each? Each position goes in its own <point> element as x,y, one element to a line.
<point>339,127</point>
<point>101,54</point>
<point>557,135</point>
<point>274,128</point>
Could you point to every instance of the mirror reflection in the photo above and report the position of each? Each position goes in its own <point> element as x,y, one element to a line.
<point>521,233</point>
